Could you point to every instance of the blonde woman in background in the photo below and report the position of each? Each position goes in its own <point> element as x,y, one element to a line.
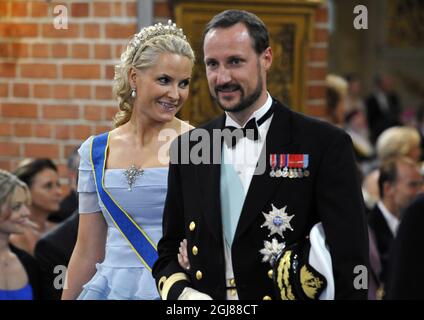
<point>399,141</point>
<point>122,180</point>
<point>336,90</point>
<point>18,271</point>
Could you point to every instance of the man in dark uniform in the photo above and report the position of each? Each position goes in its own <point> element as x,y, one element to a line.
<point>236,216</point>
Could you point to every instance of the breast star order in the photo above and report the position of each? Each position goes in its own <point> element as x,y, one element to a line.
<point>277,220</point>
<point>271,250</point>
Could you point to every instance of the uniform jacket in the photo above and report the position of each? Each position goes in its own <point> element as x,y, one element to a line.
<point>330,194</point>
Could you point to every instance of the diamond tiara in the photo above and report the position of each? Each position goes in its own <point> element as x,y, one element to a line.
<point>157,30</point>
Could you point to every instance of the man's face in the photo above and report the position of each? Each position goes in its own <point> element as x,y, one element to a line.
<point>407,185</point>
<point>236,73</point>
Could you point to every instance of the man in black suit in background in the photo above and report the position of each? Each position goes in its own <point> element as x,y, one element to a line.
<point>399,183</point>
<point>383,107</point>
<point>53,252</point>
<point>230,213</point>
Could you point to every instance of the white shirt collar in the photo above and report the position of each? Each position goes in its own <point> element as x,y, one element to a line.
<point>257,114</point>
<point>392,221</point>
<point>382,100</point>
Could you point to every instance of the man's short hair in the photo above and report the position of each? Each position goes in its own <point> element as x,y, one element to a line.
<point>389,171</point>
<point>256,27</point>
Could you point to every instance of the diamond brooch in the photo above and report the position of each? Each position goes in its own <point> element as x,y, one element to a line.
<point>131,175</point>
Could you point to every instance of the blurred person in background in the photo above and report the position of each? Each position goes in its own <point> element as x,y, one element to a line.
<point>406,260</point>
<point>397,141</point>
<point>394,142</point>
<point>70,203</point>
<point>53,252</point>
<point>54,249</point>
<point>335,99</point>
<point>18,270</point>
<point>354,100</point>
<point>357,128</point>
<point>383,106</point>
<point>400,181</point>
<point>420,127</point>
<point>41,176</point>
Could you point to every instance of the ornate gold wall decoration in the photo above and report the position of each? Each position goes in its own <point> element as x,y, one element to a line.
<point>405,26</point>
<point>282,75</point>
<point>290,24</point>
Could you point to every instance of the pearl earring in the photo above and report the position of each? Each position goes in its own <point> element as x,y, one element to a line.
<point>133,93</point>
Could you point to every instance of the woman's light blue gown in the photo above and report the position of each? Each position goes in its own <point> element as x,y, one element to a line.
<point>122,276</point>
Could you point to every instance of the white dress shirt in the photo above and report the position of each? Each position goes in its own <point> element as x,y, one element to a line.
<point>391,220</point>
<point>382,101</point>
<point>244,157</point>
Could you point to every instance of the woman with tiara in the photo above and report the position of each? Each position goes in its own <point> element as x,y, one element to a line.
<point>123,173</point>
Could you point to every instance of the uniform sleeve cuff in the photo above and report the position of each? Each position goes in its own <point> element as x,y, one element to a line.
<point>173,286</point>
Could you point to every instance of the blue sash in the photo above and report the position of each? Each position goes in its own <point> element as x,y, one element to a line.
<point>139,241</point>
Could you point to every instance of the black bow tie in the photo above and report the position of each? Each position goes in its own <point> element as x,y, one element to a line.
<point>250,130</point>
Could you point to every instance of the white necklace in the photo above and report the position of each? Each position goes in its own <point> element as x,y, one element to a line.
<point>131,175</point>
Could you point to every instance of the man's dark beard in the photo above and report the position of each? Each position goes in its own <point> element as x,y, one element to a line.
<point>244,102</point>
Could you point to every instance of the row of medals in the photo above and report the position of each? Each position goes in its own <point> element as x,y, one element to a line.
<point>289,173</point>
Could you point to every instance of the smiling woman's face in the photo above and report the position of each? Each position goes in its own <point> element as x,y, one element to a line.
<point>162,88</point>
<point>19,212</point>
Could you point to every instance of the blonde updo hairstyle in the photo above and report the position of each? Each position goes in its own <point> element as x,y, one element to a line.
<point>141,53</point>
<point>397,141</point>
